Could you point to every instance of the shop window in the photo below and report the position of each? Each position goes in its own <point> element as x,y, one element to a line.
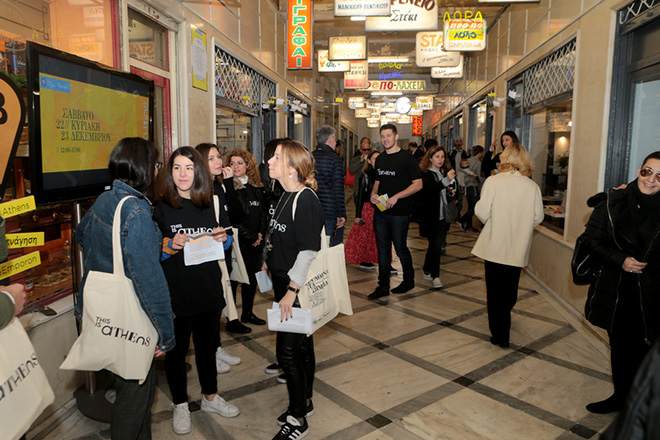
<point>147,40</point>
<point>233,129</point>
<point>481,123</point>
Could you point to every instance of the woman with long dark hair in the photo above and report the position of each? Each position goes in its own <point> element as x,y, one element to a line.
<point>492,158</point>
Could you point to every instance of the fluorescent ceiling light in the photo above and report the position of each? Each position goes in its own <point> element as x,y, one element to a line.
<point>396,93</point>
<point>358,18</point>
<point>388,59</point>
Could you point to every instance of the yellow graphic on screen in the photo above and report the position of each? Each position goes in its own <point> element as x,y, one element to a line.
<point>81,123</point>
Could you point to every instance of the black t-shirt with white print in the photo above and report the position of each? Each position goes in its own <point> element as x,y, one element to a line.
<point>193,289</point>
<point>290,237</point>
<point>395,172</point>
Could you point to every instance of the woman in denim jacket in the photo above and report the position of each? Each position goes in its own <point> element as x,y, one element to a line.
<point>133,169</point>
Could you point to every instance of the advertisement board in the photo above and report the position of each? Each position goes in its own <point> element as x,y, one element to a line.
<point>364,8</point>
<point>358,76</point>
<point>299,34</point>
<point>325,65</point>
<point>465,35</point>
<point>429,51</point>
<point>448,72</point>
<point>347,48</point>
<point>421,15</point>
<point>396,85</point>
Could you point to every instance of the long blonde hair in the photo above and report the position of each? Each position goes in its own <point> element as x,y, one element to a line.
<point>298,157</point>
<point>254,178</point>
<point>516,158</point>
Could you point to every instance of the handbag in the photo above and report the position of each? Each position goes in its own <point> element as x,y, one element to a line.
<point>349,179</point>
<point>238,271</point>
<point>24,387</point>
<point>229,311</point>
<point>583,264</point>
<point>116,333</point>
<point>450,211</point>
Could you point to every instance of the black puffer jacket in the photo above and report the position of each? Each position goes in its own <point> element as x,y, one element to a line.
<point>330,178</point>
<point>615,231</point>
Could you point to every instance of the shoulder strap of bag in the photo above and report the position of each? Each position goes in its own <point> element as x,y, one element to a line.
<point>324,238</point>
<point>216,208</point>
<point>117,260</point>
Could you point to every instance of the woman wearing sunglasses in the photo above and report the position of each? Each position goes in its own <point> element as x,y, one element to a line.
<point>624,298</point>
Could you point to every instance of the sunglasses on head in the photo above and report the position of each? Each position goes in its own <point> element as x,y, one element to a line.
<point>648,171</point>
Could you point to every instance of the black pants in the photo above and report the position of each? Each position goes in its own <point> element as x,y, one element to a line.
<point>252,260</point>
<point>472,196</point>
<point>295,354</point>
<point>203,327</point>
<point>131,413</point>
<point>393,229</point>
<point>501,295</point>
<point>436,237</point>
<point>628,349</point>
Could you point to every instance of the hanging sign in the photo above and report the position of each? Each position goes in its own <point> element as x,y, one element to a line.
<point>418,126</point>
<point>396,85</point>
<point>416,112</point>
<point>465,35</point>
<point>362,113</point>
<point>418,15</point>
<point>424,102</point>
<point>347,48</point>
<point>358,76</point>
<point>448,72</point>
<point>507,1</point>
<point>429,51</point>
<point>299,23</point>
<point>373,122</point>
<point>365,8</point>
<point>356,100</point>
<point>404,119</point>
<point>325,65</point>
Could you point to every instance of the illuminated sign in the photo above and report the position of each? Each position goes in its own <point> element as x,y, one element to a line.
<point>448,72</point>
<point>362,113</point>
<point>373,122</point>
<point>418,15</point>
<point>429,51</point>
<point>418,126</point>
<point>348,48</point>
<point>358,76</point>
<point>356,100</point>
<point>397,85</point>
<point>416,112</point>
<point>404,119</point>
<point>299,21</point>
<point>425,102</point>
<point>465,35</point>
<point>325,65</point>
<point>365,8</point>
<point>507,1</point>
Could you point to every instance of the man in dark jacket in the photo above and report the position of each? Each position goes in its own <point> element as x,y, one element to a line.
<point>330,178</point>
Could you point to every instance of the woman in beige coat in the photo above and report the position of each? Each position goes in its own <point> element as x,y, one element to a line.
<point>510,207</point>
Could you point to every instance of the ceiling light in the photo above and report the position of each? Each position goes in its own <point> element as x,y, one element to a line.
<point>388,59</point>
<point>358,18</point>
<point>386,93</point>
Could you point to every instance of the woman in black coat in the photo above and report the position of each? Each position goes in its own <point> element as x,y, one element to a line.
<point>624,298</point>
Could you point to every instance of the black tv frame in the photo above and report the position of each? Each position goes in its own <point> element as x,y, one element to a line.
<point>74,192</point>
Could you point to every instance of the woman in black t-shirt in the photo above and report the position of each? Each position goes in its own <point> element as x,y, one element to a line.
<point>293,241</point>
<point>196,291</point>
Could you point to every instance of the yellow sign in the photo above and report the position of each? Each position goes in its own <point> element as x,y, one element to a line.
<point>15,241</point>
<point>18,206</point>
<point>198,59</point>
<point>19,265</point>
<point>12,115</point>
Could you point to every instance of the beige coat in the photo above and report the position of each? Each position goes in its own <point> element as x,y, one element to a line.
<point>510,207</point>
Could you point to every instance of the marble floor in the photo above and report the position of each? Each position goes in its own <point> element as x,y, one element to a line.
<point>411,366</point>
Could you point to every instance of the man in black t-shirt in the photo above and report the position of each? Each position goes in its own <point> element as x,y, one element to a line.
<point>398,176</point>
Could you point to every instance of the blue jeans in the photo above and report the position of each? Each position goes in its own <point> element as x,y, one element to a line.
<point>336,235</point>
<point>392,229</point>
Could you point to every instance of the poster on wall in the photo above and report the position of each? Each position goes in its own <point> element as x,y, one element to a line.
<point>429,51</point>
<point>299,34</point>
<point>198,59</point>
<point>347,48</point>
<point>413,16</point>
<point>358,76</point>
<point>465,35</point>
<point>448,72</point>
<point>325,65</point>
<point>364,8</point>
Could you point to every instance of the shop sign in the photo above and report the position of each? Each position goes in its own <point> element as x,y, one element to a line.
<point>362,113</point>
<point>356,100</point>
<point>507,1</point>
<point>448,72</point>
<point>418,125</point>
<point>424,102</point>
<point>418,15</point>
<point>390,107</point>
<point>404,119</point>
<point>416,112</point>
<point>85,45</point>
<point>20,264</point>
<point>325,65</point>
<point>373,122</point>
<point>28,239</point>
<point>397,85</point>
<point>429,51</point>
<point>364,8</point>
<point>143,51</point>
<point>299,44</point>
<point>93,16</point>
<point>198,59</point>
<point>348,48</point>
<point>358,76</point>
<point>465,35</point>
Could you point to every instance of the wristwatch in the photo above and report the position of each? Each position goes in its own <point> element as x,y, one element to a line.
<point>293,289</point>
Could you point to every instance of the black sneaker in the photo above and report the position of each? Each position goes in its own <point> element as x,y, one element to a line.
<point>292,430</point>
<point>281,379</point>
<point>309,411</point>
<point>403,287</point>
<point>379,293</point>
<point>235,326</point>
<point>273,369</point>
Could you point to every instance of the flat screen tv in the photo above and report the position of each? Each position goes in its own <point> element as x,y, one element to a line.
<point>77,112</point>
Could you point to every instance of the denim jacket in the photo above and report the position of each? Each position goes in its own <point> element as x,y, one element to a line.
<point>141,248</point>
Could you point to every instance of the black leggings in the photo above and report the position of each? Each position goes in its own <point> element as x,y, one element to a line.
<point>295,354</point>
<point>501,295</point>
<point>252,260</point>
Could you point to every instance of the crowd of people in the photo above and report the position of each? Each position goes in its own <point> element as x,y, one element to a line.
<point>276,212</point>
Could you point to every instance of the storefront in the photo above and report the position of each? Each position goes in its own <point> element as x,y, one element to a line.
<point>481,123</point>
<point>299,122</point>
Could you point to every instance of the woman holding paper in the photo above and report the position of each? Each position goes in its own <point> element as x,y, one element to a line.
<point>292,245</point>
<point>248,214</point>
<point>186,209</point>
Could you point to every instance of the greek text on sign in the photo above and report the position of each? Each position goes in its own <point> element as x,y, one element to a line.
<point>397,85</point>
<point>18,206</point>
<point>358,76</point>
<point>18,265</point>
<point>347,48</point>
<point>362,113</point>
<point>424,102</point>
<point>365,8</point>
<point>465,35</point>
<point>407,15</point>
<point>299,43</point>
<point>29,239</point>
<point>325,65</point>
<point>429,51</point>
<point>448,72</point>
<point>373,122</point>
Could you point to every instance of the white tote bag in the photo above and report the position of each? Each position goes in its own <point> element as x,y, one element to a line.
<point>24,389</point>
<point>116,333</point>
<point>238,271</point>
<point>229,311</point>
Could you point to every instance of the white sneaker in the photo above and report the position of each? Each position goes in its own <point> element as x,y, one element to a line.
<point>181,423</point>
<point>220,406</point>
<point>221,366</point>
<point>437,284</point>
<point>427,276</point>
<point>227,358</point>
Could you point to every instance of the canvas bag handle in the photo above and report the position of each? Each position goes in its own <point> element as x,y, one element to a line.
<point>117,260</point>
<point>324,238</point>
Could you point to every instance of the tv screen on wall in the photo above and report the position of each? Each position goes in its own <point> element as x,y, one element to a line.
<point>78,111</point>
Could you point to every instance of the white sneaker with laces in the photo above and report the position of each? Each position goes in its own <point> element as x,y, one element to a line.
<point>226,357</point>
<point>427,276</point>
<point>221,366</point>
<point>181,423</point>
<point>220,406</point>
<point>437,284</point>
